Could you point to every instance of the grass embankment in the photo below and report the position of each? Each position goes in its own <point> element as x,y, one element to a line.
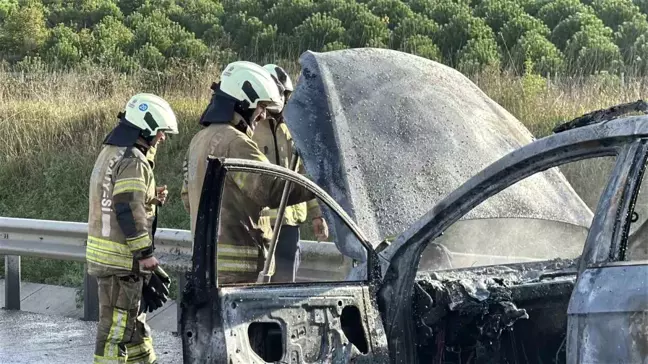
<point>53,124</point>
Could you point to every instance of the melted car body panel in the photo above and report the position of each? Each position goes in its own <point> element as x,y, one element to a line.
<point>323,323</point>
<point>310,324</point>
<point>278,323</point>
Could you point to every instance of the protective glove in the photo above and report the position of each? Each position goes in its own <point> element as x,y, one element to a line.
<point>155,292</point>
<point>151,301</point>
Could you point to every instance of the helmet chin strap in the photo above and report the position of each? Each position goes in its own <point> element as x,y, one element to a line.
<point>245,112</point>
<point>143,145</point>
<point>278,116</point>
<point>242,108</point>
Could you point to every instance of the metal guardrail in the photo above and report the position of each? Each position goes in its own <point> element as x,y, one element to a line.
<point>67,240</point>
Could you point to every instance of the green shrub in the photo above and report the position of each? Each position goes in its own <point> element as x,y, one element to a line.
<point>535,48</point>
<point>591,50</point>
<point>552,13</point>
<point>477,54</point>
<point>517,27</point>
<point>319,30</point>
<point>23,32</point>
<point>416,25</point>
<point>363,28</point>
<point>613,13</point>
<point>63,48</point>
<point>120,34</point>
<point>441,11</point>
<point>498,12</point>
<point>423,46</point>
<point>566,29</point>
<point>393,11</point>
<point>454,37</point>
<point>627,34</point>
<point>288,14</point>
<point>83,13</point>
<point>6,7</point>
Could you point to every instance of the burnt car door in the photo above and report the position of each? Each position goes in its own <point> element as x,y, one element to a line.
<point>313,322</point>
<point>608,310</point>
<point>622,139</point>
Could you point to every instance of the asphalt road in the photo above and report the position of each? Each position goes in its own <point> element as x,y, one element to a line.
<point>35,338</point>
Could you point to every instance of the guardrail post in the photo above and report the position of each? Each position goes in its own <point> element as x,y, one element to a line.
<point>12,282</point>
<point>90,297</point>
<point>182,280</point>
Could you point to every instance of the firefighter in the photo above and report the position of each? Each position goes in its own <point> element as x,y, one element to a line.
<point>238,103</point>
<point>120,252</point>
<point>274,139</point>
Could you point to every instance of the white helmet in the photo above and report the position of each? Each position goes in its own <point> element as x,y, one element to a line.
<point>250,83</point>
<point>281,75</point>
<point>151,113</point>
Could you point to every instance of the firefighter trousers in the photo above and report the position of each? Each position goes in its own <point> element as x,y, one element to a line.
<point>226,276</point>
<point>123,336</point>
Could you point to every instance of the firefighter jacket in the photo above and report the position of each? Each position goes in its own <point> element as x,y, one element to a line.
<point>121,211</point>
<point>241,240</point>
<point>274,140</point>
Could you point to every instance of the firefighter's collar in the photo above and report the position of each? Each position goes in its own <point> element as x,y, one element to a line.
<point>150,156</point>
<point>239,123</point>
<point>140,154</point>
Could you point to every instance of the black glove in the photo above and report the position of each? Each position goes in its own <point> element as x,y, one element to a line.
<point>151,301</point>
<point>155,292</point>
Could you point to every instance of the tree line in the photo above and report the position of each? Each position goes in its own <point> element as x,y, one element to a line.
<point>538,36</point>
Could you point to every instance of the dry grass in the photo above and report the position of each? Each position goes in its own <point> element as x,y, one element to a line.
<point>53,123</point>
<point>541,105</point>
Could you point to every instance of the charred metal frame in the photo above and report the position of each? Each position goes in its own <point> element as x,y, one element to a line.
<point>205,251</point>
<point>615,138</point>
<point>620,245</point>
<point>623,138</point>
<point>597,246</point>
<point>203,276</point>
<point>598,314</point>
<point>204,301</point>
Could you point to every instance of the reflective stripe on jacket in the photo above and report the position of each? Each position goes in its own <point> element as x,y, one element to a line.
<point>122,183</point>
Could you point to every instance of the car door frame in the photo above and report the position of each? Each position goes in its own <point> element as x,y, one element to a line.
<point>598,315</point>
<point>612,138</point>
<point>202,286</point>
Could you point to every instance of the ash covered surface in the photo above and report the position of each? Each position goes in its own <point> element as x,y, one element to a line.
<point>468,310</point>
<point>508,275</point>
<point>389,134</point>
<point>474,288</point>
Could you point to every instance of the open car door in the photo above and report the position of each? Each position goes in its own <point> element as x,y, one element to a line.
<point>336,322</point>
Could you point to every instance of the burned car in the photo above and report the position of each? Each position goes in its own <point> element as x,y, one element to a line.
<point>506,265</point>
